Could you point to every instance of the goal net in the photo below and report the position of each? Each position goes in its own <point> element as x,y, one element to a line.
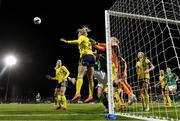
<point>151,27</point>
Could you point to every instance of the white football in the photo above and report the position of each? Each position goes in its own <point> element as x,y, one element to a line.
<point>37,20</point>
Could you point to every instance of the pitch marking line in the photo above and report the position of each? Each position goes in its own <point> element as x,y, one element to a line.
<point>46,114</point>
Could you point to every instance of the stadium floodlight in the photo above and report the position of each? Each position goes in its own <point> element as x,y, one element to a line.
<point>10,60</point>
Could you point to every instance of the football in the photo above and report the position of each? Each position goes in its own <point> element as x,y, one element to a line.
<point>37,20</point>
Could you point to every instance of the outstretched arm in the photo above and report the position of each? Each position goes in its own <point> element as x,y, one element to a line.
<point>80,39</point>
<point>51,78</point>
<point>125,68</point>
<point>63,40</point>
<point>100,47</point>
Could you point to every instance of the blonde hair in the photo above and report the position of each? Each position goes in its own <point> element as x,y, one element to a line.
<point>114,41</point>
<point>161,72</point>
<point>140,54</point>
<point>84,29</point>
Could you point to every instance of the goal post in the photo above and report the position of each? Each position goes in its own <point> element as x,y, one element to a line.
<point>109,65</point>
<point>151,27</point>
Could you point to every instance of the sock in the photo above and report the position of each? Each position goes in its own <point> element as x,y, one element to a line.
<point>59,98</point>
<point>104,101</point>
<point>64,101</point>
<point>91,87</point>
<point>168,100</point>
<point>119,100</point>
<point>79,84</point>
<point>146,97</point>
<point>143,100</point>
<point>126,89</point>
<point>165,99</point>
<point>55,100</point>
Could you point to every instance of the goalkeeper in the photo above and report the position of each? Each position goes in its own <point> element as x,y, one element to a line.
<point>143,67</point>
<point>100,74</point>
<point>120,64</point>
<point>61,76</point>
<point>164,88</point>
<point>121,70</point>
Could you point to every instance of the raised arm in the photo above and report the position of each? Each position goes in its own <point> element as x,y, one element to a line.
<point>80,39</point>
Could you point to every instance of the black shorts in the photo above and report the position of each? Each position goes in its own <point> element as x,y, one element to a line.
<point>142,81</point>
<point>62,84</point>
<point>87,60</point>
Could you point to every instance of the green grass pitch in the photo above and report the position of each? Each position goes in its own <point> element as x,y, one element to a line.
<point>74,112</point>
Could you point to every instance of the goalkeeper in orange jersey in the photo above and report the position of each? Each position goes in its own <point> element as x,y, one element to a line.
<point>86,62</point>
<point>61,76</point>
<point>122,69</point>
<point>119,63</point>
<point>143,67</point>
<point>164,87</point>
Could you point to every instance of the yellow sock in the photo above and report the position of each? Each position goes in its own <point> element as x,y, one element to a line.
<point>165,99</point>
<point>59,98</point>
<point>118,101</point>
<point>169,101</point>
<point>116,96</point>
<point>79,84</point>
<point>91,87</point>
<point>64,101</point>
<point>146,99</point>
<point>121,101</point>
<point>143,100</point>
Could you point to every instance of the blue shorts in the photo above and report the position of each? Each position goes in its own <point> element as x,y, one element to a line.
<point>88,60</point>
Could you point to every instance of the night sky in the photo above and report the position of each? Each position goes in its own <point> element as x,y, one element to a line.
<point>37,47</point>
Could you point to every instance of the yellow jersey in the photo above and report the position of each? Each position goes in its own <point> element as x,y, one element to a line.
<point>163,81</point>
<point>114,74</point>
<point>61,74</point>
<point>141,67</point>
<point>84,45</point>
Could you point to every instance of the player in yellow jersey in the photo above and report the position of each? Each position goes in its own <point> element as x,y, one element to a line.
<point>143,67</point>
<point>164,85</point>
<point>61,76</point>
<point>86,62</point>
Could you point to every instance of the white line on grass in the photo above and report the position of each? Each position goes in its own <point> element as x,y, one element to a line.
<point>154,111</point>
<point>2,115</point>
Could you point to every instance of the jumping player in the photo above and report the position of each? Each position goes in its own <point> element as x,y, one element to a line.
<point>86,62</point>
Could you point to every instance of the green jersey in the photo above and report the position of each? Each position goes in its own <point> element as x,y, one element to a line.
<point>171,78</point>
<point>100,64</point>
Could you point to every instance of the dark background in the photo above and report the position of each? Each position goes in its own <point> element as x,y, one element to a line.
<point>37,47</point>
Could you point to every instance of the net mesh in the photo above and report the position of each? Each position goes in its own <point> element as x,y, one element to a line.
<point>150,32</point>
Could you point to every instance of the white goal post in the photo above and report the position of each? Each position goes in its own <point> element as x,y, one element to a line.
<point>152,27</point>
